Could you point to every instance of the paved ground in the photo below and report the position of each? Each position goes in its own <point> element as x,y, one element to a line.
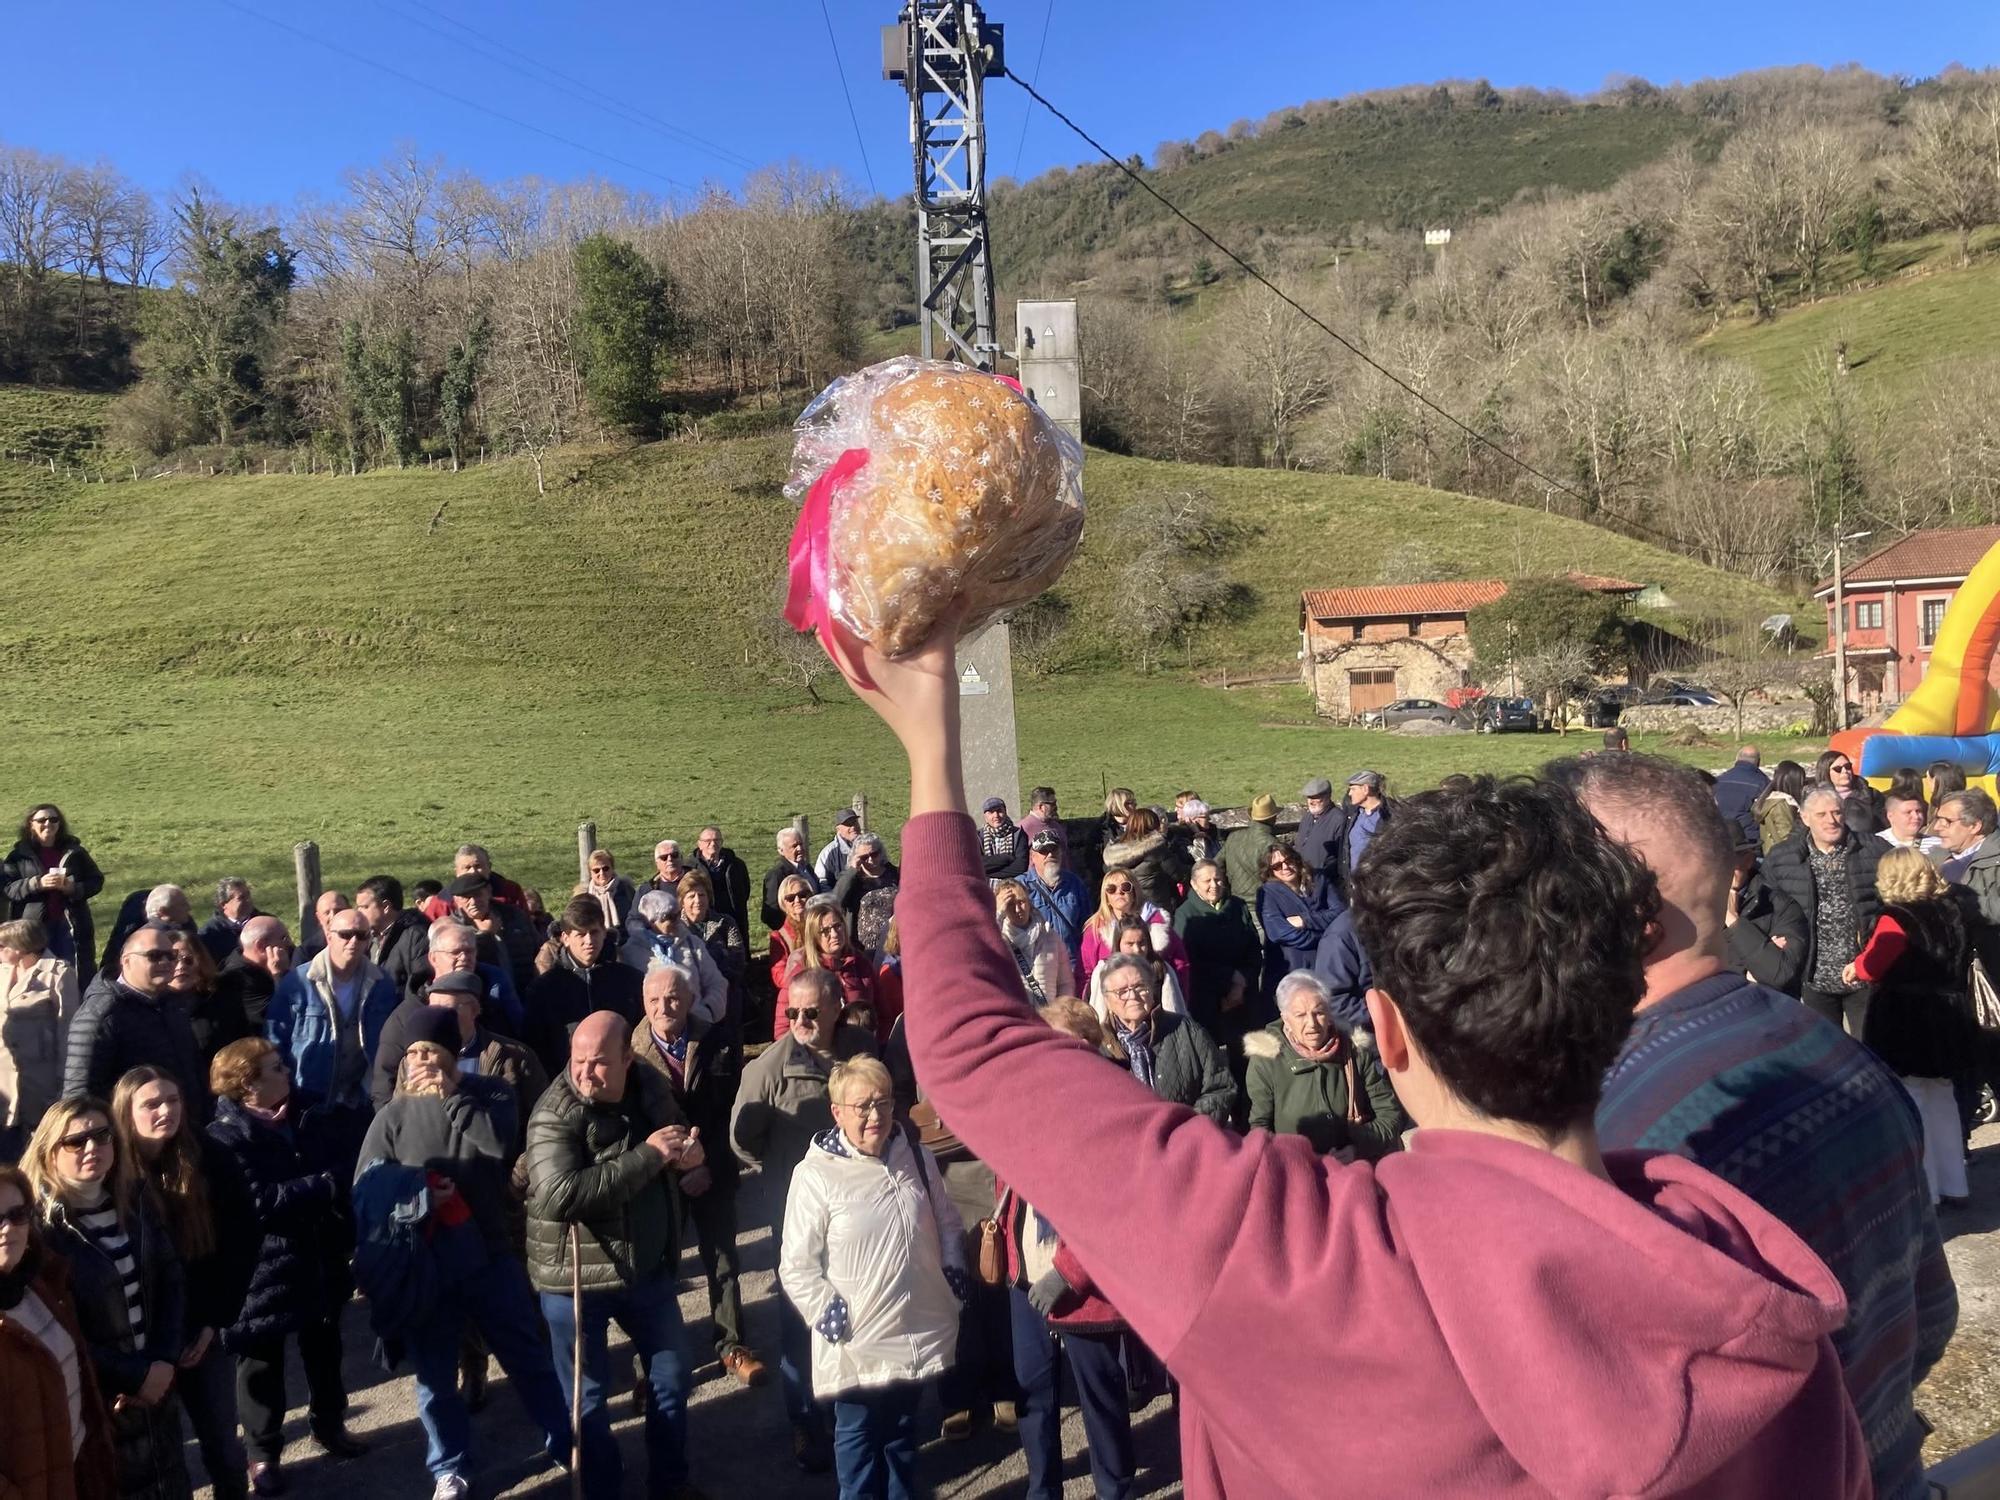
<point>742,1446</point>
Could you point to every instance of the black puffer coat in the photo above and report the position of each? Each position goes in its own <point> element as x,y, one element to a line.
<point>1788,868</point>
<point>1188,1067</point>
<point>1155,867</point>
<point>21,884</point>
<point>1920,1019</point>
<point>117,1029</point>
<point>557,1000</point>
<point>147,1439</point>
<point>305,1236</point>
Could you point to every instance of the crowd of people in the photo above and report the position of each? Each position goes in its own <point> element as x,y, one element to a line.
<point>1720,1039</point>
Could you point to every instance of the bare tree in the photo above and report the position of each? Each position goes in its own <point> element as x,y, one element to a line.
<point>1822,171</point>
<point>1948,176</point>
<point>1282,362</point>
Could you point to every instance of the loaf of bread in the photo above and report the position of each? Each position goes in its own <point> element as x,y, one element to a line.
<point>970,492</point>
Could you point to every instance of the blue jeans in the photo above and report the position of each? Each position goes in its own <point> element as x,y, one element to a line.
<point>502,1306</point>
<point>650,1313</point>
<point>795,1369</point>
<point>1099,1376</point>
<point>875,1442</point>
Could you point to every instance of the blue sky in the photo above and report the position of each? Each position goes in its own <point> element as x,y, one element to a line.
<point>213,87</point>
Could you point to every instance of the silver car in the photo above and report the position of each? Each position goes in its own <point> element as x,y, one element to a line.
<point>1406,711</point>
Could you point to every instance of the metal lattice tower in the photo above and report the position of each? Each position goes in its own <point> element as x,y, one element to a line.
<point>943,51</point>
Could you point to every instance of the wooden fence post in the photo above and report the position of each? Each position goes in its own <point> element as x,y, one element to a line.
<point>305,869</point>
<point>861,809</point>
<point>586,840</point>
<point>802,826</point>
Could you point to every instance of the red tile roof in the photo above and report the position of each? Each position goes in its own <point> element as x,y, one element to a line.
<point>1923,554</point>
<point>1406,600</point>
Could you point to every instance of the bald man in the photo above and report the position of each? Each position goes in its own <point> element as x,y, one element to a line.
<point>1777,1101</point>
<point>601,1143</point>
<point>242,993</point>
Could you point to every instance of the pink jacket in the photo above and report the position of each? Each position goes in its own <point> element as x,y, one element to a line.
<point>1473,1316</point>
<point>1095,949</point>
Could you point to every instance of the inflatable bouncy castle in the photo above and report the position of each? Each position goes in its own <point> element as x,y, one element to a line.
<point>1953,715</point>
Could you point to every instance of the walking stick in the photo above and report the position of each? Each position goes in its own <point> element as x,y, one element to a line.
<point>576,1365</point>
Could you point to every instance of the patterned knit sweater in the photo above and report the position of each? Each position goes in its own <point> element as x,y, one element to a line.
<point>1780,1103</point>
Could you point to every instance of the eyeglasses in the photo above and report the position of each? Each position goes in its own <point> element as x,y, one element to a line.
<point>1283,864</point>
<point>1129,992</point>
<point>802,1013</point>
<point>349,934</point>
<point>44,822</point>
<point>97,1135</point>
<point>15,1217</point>
<point>1118,890</point>
<point>666,854</point>
<point>155,955</point>
<point>870,1109</point>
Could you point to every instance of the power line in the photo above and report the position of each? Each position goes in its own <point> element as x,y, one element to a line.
<point>459,99</point>
<point>840,68</point>
<point>576,87</point>
<point>1028,115</point>
<point>1380,369</point>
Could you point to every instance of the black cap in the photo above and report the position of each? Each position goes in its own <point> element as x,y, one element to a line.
<point>994,804</point>
<point>461,983</point>
<point>848,819</point>
<point>465,885</point>
<point>434,1023</point>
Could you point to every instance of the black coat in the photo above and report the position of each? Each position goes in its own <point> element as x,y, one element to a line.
<point>298,1219</point>
<point>1189,1068</point>
<point>241,989</point>
<point>557,1000</point>
<point>1155,867</point>
<point>731,879</point>
<point>1788,869</point>
<point>1919,1020</point>
<point>117,1029</point>
<point>218,1282</point>
<point>20,882</point>
<point>1764,913</point>
<point>405,947</point>
<point>776,876</point>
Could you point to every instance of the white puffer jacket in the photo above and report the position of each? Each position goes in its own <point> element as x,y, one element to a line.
<point>865,1264</point>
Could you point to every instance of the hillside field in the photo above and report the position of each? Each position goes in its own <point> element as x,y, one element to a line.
<point>206,670</point>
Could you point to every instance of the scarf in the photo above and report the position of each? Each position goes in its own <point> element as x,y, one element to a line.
<point>14,1284</point>
<point>1359,1110</point>
<point>1139,1048</point>
<point>272,1117</point>
<point>608,900</point>
<point>1020,943</point>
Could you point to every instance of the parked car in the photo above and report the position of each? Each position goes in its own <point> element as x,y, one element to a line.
<point>1406,711</point>
<point>1602,708</point>
<point>1686,698</point>
<point>1501,715</point>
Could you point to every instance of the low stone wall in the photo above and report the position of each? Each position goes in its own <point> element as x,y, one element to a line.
<point>1758,718</point>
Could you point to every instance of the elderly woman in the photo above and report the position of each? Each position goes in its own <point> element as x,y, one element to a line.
<point>126,1279</point>
<point>287,1162</point>
<point>1293,908</point>
<point>1225,958</point>
<point>1140,940</point>
<point>1307,1077</point>
<point>1038,952</point>
<point>54,1430</point>
<point>612,891</point>
<point>51,877</point>
<point>1061,1317</point>
<point>824,944</point>
<point>666,938</point>
<point>38,1000</point>
<point>874,1261</point>
<point>718,929</point>
<point>1168,1053</point>
<point>1119,900</point>
<point>194,1186</point>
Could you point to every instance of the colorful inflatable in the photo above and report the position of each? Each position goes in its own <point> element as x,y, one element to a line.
<point>1953,714</point>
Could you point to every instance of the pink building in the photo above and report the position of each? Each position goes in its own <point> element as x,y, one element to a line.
<point>1895,604</point>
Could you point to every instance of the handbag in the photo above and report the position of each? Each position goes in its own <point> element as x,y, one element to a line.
<point>1985,998</point>
<point>987,1254</point>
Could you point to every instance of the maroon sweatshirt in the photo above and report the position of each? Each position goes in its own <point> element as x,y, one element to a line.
<point>1469,1317</point>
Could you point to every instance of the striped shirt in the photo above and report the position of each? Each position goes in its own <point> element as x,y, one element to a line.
<point>101,1224</point>
<point>1758,1089</point>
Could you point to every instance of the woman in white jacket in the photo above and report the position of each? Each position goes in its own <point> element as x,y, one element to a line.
<point>1038,952</point>
<point>874,1261</point>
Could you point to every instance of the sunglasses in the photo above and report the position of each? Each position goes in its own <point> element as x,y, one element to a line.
<point>349,934</point>
<point>795,897</point>
<point>97,1136</point>
<point>15,1217</point>
<point>156,955</point>
<point>1118,890</point>
<point>807,1013</point>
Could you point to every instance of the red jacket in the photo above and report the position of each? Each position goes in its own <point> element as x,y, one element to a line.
<point>856,983</point>
<point>1495,1321</point>
<point>1083,1309</point>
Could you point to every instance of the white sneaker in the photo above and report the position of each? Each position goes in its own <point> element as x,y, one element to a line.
<point>451,1487</point>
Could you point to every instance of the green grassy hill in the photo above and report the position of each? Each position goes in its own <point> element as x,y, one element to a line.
<point>205,670</point>
<point>1896,332</point>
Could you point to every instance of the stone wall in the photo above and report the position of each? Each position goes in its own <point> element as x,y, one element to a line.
<point>1758,718</point>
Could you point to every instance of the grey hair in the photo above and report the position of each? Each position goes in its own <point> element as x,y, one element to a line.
<point>657,904</point>
<point>867,839</point>
<point>1975,801</point>
<point>1119,962</point>
<point>1303,980</point>
<point>160,897</point>
<point>1820,794</point>
<point>787,832</point>
<point>478,851</point>
<point>227,887</point>
<point>714,828</point>
<point>680,973</point>
<point>445,927</point>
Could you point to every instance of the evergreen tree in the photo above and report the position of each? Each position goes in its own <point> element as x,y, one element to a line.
<point>461,382</point>
<point>623,328</point>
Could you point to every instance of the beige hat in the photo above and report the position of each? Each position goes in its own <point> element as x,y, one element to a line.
<point>1263,808</point>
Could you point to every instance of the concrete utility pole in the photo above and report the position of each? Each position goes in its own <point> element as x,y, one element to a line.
<point>942,52</point>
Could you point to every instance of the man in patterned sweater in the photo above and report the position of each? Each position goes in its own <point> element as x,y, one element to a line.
<point>1780,1103</point>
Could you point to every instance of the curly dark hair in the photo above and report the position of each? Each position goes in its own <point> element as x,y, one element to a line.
<point>1510,933</point>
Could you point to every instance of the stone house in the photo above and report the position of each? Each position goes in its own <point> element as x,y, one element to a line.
<point>1363,647</point>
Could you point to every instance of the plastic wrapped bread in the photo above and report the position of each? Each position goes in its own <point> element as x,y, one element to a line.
<point>925,483</point>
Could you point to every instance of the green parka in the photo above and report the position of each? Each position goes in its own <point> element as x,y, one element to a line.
<point>1291,1096</point>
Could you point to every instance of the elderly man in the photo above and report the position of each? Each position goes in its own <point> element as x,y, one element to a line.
<point>1003,847</point>
<point>700,1066</point>
<point>1243,850</point>
<point>244,986</point>
<point>601,1145</point>
<point>129,1018</point>
<point>838,852</point>
<point>585,978</point>
<point>1745,1082</point>
<point>1044,817</point>
<point>726,872</point>
<point>453,957</point>
<point>326,1021</point>
<point>314,943</point>
<point>668,867</point>
<point>1829,872</point>
<point>460,1128</point>
<point>233,907</point>
<point>1362,818</point>
<point>1964,825</point>
<point>871,871</point>
<point>449,946</point>
<point>507,928</point>
<point>781,1105</point>
<point>668,939</point>
<point>167,904</point>
<point>1320,826</point>
<point>1738,788</point>
<point>791,861</point>
<point>1059,897</point>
